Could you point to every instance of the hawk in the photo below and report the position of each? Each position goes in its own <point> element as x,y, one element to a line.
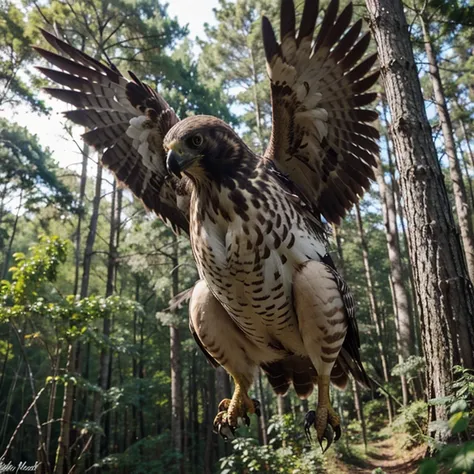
<point>269,295</point>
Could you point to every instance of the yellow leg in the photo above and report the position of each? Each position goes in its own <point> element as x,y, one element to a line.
<point>231,411</point>
<point>325,420</point>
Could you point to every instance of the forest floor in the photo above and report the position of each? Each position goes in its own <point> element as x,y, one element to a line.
<point>387,454</point>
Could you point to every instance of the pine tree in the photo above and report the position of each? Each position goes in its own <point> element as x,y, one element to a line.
<point>445,296</point>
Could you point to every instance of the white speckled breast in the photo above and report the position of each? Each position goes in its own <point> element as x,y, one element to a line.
<point>248,259</point>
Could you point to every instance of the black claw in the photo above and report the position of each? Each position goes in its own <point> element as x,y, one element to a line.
<point>246,420</point>
<point>328,436</point>
<point>309,420</point>
<point>227,432</point>
<point>338,432</point>
<point>256,405</point>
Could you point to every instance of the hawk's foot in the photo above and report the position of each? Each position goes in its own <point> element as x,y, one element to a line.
<point>326,423</point>
<point>233,412</point>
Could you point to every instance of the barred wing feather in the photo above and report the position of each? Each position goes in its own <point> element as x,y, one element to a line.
<point>127,121</point>
<point>321,136</point>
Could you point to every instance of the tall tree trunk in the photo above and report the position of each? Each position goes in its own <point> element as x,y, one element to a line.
<point>462,208</point>
<point>8,250</point>
<point>445,296</point>
<point>374,309</point>
<point>105,355</point>
<point>399,292</point>
<point>394,190</point>
<point>468,178</point>
<point>467,139</point>
<point>175,363</point>
<point>80,217</point>
<point>263,411</point>
<point>62,453</point>
<point>89,249</point>
<point>210,402</point>
<point>359,411</point>
<point>135,363</point>
<point>258,113</point>
<point>80,358</point>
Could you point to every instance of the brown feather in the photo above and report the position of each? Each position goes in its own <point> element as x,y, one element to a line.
<point>310,137</point>
<point>105,103</point>
<point>308,20</point>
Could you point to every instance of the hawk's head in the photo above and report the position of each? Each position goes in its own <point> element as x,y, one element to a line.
<point>204,147</point>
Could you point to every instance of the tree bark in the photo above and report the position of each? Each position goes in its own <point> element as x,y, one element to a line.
<point>80,357</point>
<point>8,250</point>
<point>175,363</point>
<point>468,141</point>
<point>394,188</point>
<point>359,411</point>
<point>258,113</point>
<point>262,420</point>
<point>459,191</point>
<point>444,294</point>
<point>80,216</point>
<point>62,462</point>
<point>211,402</point>
<point>468,179</point>
<point>105,353</point>
<point>89,249</point>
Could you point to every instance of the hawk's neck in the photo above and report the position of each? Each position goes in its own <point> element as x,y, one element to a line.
<point>222,199</point>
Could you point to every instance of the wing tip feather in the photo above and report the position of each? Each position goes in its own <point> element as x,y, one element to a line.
<point>270,44</point>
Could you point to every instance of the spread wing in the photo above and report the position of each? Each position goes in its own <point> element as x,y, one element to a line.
<point>321,137</point>
<point>127,121</point>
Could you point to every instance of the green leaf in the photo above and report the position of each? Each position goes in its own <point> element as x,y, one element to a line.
<point>448,453</point>
<point>428,466</point>
<point>460,424</point>
<point>464,461</point>
<point>440,401</point>
<point>457,406</point>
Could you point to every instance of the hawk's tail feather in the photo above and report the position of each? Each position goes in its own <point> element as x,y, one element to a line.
<point>353,366</point>
<point>277,377</point>
<point>300,372</point>
<point>339,377</point>
<point>295,370</point>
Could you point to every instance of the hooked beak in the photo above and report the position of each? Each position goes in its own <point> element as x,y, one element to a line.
<point>176,162</point>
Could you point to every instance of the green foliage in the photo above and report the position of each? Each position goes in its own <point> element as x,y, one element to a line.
<point>451,458</point>
<point>29,170</point>
<point>141,36</point>
<point>29,274</point>
<point>374,414</point>
<point>459,459</point>
<point>150,455</point>
<point>463,385</point>
<point>409,367</point>
<point>24,296</point>
<point>287,452</point>
<point>413,421</point>
<point>15,54</point>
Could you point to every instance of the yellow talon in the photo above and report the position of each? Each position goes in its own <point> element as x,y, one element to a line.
<point>230,411</point>
<point>325,420</point>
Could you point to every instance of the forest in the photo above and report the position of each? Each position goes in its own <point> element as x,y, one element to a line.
<point>99,373</point>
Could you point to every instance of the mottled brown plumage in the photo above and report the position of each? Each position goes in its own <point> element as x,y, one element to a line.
<point>269,294</point>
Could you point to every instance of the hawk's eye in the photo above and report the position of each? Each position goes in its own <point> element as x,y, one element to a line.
<point>197,140</point>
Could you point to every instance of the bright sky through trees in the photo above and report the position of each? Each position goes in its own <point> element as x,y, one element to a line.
<point>50,129</point>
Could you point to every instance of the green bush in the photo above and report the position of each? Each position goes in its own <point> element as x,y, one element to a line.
<point>412,420</point>
<point>456,458</point>
<point>375,414</point>
<point>288,452</point>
